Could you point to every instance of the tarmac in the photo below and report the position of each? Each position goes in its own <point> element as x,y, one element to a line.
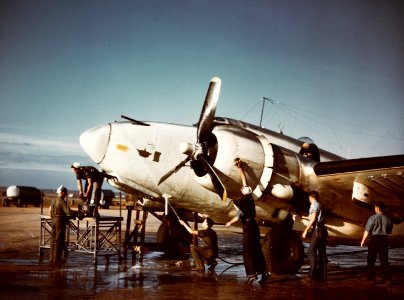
<point>24,276</point>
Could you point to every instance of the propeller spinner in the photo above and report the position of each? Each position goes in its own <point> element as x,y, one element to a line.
<point>198,152</point>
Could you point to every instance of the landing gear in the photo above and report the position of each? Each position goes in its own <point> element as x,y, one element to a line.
<point>173,236</point>
<point>283,250</point>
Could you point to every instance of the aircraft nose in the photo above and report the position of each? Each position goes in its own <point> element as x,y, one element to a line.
<point>95,142</point>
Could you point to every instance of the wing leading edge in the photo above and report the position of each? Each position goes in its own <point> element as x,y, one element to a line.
<point>360,164</point>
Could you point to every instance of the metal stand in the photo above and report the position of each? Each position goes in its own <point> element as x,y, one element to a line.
<point>134,240</point>
<point>100,236</point>
<point>45,238</point>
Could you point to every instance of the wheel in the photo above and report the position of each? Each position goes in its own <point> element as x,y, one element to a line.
<point>171,239</point>
<point>283,250</point>
<point>163,234</point>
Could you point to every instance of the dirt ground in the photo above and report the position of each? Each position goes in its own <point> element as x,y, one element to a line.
<point>24,276</point>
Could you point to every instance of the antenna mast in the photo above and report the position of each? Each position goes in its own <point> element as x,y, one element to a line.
<point>263,105</point>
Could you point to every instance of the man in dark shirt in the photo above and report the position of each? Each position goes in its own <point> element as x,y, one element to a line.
<point>253,257</point>
<point>209,250</point>
<point>60,213</point>
<point>378,227</point>
<point>91,194</point>
<point>310,151</point>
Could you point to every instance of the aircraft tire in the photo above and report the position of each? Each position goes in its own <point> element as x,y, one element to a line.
<point>173,239</point>
<point>283,250</point>
<point>163,234</point>
<point>165,237</point>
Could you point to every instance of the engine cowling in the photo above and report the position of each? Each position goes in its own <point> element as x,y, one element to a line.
<point>231,143</point>
<point>270,170</point>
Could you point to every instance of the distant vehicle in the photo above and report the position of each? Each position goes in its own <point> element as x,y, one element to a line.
<point>22,196</point>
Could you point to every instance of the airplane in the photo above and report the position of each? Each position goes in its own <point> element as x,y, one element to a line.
<point>193,168</point>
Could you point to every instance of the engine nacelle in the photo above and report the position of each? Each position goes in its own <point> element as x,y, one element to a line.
<point>270,170</point>
<point>232,143</point>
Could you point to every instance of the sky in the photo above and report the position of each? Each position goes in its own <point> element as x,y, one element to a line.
<point>334,71</point>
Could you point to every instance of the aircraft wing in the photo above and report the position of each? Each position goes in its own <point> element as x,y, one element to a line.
<point>368,179</point>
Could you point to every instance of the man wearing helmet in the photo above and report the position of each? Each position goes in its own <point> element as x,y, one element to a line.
<point>60,213</point>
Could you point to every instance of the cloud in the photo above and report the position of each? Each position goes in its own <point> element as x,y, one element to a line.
<point>26,143</point>
<point>23,152</point>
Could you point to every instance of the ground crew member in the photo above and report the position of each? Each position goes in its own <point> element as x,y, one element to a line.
<point>60,213</point>
<point>91,194</point>
<point>253,257</point>
<point>378,227</point>
<point>209,250</point>
<point>310,151</point>
<point>318,240</point>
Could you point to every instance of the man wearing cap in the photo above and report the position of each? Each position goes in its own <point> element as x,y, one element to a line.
<point>253,257</point>
<point>93,182</point>
<point>60,213</point>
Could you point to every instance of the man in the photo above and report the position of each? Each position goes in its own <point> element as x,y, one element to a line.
<point>91,194</point>
<point>310,151</point>
<point>317,250</point>
<point>60,213</point>
<point>253,257</point>
<point>378,227</point>
<point>209,250</point>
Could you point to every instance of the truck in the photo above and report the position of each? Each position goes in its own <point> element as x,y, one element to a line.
<point>22,196</point>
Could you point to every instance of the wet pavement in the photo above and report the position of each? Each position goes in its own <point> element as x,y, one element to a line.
<point>23,276</point>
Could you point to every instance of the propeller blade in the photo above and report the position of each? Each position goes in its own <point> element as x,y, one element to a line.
<point>205,127</point>
<point>217,183</point>
<point>205,124</point>
<point>174,170</point>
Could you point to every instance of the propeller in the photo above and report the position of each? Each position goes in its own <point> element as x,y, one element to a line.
<point>198,152</point>
<point>217,183</point>
<point>174,170</point>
